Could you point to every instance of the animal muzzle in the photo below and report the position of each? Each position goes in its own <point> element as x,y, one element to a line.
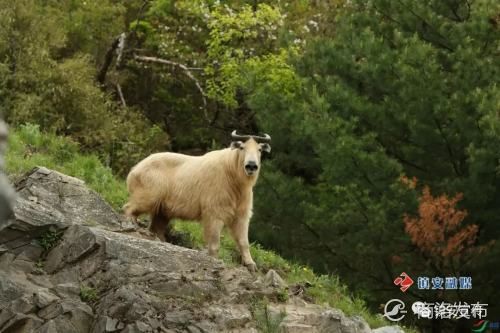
<point>251,167</point>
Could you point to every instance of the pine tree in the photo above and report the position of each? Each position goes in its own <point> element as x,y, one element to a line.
<point>402,88</point>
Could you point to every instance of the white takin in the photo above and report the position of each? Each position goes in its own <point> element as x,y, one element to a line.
<point>215,189</point>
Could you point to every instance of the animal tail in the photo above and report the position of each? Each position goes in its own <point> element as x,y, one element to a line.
<point>157,208</point>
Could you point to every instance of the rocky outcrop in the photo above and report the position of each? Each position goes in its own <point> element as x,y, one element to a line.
<point>69,263</point>
<point>388,329</point>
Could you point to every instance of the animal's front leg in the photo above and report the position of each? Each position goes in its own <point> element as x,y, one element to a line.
<point>239,231</point>
<point>211,234</point>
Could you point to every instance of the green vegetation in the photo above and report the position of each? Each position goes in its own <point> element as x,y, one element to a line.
<point>29,148</point>
<point>283,295</point>
<point>267,322</point>
<point>88,294</point>
<point>39,267</point>
<point>49,239</point>
<point>47,73</point>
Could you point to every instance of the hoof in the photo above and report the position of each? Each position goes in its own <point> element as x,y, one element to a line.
<point>252,267</point>
<point>132,219</point>
<point>148,234</point>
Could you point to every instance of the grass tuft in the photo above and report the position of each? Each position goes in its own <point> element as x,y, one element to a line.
<point>49,239</point>
<point>267,322</point>
<point>88,294</point>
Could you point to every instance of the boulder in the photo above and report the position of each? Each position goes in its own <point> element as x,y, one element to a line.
<point>389,329</point>
<point>312,318</point>
<point>273,279</point>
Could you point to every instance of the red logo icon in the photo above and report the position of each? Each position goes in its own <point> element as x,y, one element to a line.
<point>404,281</point>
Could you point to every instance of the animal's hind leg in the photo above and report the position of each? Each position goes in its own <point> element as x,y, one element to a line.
<point>137,206</point>
<point>130,212</point>
<point>160,225</point>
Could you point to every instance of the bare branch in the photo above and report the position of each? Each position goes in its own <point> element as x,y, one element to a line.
<point>186,70</point>
<point>120,93</point>
<point>108,59</point>
<point>120,47</point>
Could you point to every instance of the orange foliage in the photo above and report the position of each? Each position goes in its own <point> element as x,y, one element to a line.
<point>437,230</point>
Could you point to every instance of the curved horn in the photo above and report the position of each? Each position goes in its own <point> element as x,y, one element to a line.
<point>265,138</point>
<point>239,137</point>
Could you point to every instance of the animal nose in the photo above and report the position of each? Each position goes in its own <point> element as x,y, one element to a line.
<point>251,166</point>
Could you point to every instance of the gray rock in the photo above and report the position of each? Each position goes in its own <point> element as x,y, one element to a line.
<point>235,316</point>
<point>312,318</point>
<point>273,279</point>
<point>107,324</point>
<point>23,305</point>
<point>63,200</point>
<point>67,290</point>
<point>44,298</point>
<point>193,329</point>
<point>389,329</point>
<point>297,328</point>
<point>49,327</point>
<point>22,323</point>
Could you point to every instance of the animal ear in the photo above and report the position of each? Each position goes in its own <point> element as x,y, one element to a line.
<point>236,144</point>
<point>266,147</point>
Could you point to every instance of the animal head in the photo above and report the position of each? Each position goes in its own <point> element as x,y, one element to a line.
<point>250,149</point>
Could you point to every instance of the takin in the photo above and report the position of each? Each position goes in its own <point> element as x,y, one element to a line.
<point>215,189</point>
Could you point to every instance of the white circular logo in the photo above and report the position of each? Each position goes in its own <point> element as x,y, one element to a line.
<point>421,310</point>
<point>394,310</point>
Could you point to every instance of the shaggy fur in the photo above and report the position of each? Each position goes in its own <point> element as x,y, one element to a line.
<point>213,189</point>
